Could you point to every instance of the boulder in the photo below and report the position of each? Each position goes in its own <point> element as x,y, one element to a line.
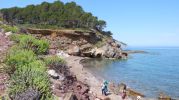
<point>8,33</point>
<point>62,54</point>
<point>74,50</point>
<point>53,74</point>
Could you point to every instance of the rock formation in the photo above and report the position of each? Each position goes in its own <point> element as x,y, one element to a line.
<point>81,43</point>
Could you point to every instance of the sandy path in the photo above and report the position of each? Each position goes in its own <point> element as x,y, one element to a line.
<point>88,78</point>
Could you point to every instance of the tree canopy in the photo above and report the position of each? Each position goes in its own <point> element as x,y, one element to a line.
<point>68,15</point>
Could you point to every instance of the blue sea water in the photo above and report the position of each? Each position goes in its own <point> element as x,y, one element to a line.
<point>149,73</point>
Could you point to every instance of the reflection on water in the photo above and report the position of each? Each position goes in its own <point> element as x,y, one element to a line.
<point>152,73</point>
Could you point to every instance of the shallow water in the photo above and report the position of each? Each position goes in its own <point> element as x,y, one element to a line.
<point>150,73</point>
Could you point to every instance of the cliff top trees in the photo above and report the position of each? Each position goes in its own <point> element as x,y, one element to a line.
<point>69,15</point>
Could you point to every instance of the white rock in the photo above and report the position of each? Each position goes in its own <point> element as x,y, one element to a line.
<point>8,33</point>
<point>62,54</point>
<point>61,78</point>
<point>74,50</point>
<point>52,73</point>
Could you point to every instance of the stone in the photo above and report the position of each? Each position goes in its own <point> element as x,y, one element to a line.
<point>62,54</point>
<point>53,74</point>
<point>74,50</point>
<point>8,33</point>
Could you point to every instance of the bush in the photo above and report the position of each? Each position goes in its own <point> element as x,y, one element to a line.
<point>40,46</point>
<point>52,61</point>
<point>32,75</point>
<point>17,37</point>
<point>31,43</point>
<point>17,57</point>
<point>26,71</point>
<point>8,28</point>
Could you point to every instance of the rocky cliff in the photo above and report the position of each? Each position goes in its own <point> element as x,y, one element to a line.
<point>88,43</point>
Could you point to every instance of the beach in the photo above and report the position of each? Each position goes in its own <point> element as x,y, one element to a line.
<point>86,77</point>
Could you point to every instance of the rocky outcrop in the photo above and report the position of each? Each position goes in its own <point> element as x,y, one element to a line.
<point>81,43</point>
<point>108,50</point>
<point>74,50</point>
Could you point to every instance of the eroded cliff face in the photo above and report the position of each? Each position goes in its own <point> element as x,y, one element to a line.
<point>81,43</point>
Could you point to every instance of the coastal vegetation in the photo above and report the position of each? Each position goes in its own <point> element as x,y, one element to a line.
<point>27,72</point>
<point>52,61</point>
<point>31,43</point>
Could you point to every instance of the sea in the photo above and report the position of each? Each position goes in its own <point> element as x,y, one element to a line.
<point>151,73</point>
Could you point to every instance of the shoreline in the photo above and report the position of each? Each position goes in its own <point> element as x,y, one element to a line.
<point>88,78</point>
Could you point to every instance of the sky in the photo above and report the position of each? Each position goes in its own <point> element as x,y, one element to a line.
<point>134,22</point>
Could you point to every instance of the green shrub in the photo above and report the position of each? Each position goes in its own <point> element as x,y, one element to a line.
<point>32,75</point>
<point>26,71</point>
<point>53,61</point>
<point>17,57</point>
<point>8,28</point>
<point>31,43</point>
<point>41,46</point>
<point>17,37</point>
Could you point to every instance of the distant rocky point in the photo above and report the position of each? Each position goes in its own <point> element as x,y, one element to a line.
<point>134,51</point>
